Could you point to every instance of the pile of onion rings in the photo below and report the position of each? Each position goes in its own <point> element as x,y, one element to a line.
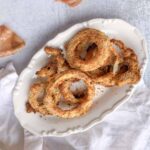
<point>91,58</point>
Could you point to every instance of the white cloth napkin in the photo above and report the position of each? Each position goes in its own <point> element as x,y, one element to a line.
<point>128,128</point>
<point>11,133</point>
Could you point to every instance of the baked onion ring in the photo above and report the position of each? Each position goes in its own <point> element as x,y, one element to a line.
<point>127,70</point>
<point>36,93</point>
<point>51,101</point>
<point>81,42</point>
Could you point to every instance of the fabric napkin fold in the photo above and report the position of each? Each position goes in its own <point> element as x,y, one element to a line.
<point>127,128</point>
<point>11,133</point>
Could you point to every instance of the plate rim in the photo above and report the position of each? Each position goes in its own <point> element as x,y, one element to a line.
<point>100,117</point>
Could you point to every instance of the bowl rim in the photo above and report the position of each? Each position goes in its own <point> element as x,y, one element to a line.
<point>99,119</point>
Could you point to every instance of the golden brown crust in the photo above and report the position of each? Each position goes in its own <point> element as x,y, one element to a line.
<point>51,101</point>
<point>10,42</point>
<point>35,98</point>
<point>130,76</point>
<point>82,40</point>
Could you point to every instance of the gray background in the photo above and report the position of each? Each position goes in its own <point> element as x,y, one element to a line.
<point>37,21</point>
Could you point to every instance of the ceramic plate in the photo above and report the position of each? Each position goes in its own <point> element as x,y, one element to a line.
<point>106,99</point>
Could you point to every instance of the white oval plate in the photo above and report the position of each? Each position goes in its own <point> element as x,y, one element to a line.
<point>106,99</point>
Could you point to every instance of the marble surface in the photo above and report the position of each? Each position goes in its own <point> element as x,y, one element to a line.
<point>39,21</point>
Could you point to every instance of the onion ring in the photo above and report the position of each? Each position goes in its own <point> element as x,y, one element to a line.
<point>86,38</point>
<point>51,101</point>
<point>128,70</point>
<point>35,99</point>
